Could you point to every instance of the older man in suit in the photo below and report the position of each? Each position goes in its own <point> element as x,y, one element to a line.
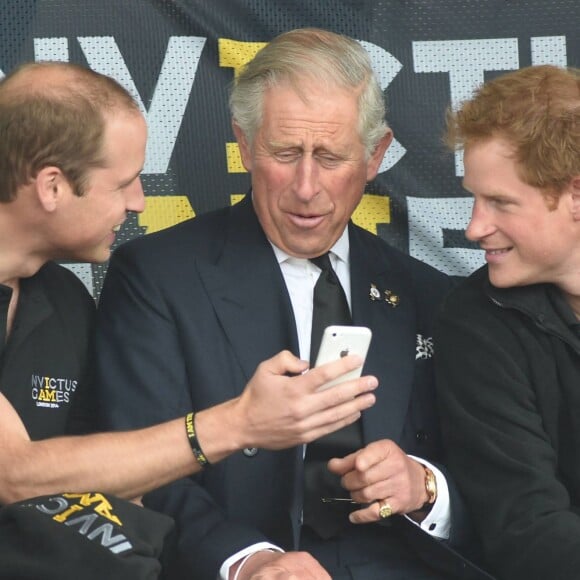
<point>188,313</point>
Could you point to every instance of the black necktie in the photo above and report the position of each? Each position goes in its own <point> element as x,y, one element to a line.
<point>327,519</point>
<point>329,304</point>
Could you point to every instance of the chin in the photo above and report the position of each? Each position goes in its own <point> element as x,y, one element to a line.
<point>500,281</point>
<point>97,257</point>
<point>510,281</point>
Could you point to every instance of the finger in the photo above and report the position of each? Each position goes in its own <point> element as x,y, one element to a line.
<point>366,473</point>
<point>369,483</point>
<point>346,391</point>
<point>322,427</point>
<point>335,369</point>
<point>342,465</point>
<point>283,363</point>
<point>371,512</point>
<point>326,420</point>
<point>369,493</point>
<point>337,407</point>
<point>383,452</point>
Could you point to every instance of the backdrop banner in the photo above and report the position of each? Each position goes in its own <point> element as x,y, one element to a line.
<point>178,58</point>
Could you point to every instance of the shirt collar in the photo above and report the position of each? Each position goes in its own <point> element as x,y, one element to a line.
<point>340,250</point>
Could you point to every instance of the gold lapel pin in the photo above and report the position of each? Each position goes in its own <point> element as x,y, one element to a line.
<point>391,299</point>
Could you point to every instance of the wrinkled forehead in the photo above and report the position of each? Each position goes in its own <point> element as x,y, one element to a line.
<point>312,83</point>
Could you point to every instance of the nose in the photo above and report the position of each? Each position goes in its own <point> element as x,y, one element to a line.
<point>135,197</point>
<point>306,178</point>
<point>481,224</point>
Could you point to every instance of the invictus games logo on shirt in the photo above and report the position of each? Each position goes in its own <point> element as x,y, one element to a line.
<point>52,392</point>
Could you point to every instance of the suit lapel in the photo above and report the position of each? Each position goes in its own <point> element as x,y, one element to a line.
<point>247,290</point>
<point>248,293</point>
<point>390,356</point>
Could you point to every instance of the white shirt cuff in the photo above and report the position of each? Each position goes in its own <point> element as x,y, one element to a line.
<point>438,520</point>
<point>225,567</point>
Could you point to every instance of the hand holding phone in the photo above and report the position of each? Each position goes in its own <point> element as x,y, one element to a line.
<point>340,341</point>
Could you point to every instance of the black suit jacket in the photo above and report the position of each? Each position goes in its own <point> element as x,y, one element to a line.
<point>185,317</point>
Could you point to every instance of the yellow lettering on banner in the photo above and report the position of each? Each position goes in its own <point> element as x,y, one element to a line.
<point>234,159</point>
<point>236,198</point>
<point>236,53</point>
<point>372,210</point>
<point>63,516</point>
<point>162,211</point>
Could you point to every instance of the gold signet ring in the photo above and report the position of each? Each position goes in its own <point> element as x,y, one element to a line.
<point>385,510</point>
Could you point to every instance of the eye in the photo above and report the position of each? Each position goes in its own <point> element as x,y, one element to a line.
<point>286,156</point>
<point>328,160</point>
<point>500,202</point>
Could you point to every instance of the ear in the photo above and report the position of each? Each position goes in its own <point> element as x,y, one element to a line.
<point>575,193</point>
<point>377,155</point>
<point>50,187</point>
<point>244,145</point>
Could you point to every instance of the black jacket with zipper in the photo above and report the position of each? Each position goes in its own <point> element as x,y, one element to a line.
<point>508,372</point>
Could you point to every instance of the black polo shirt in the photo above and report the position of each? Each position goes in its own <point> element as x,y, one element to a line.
<point>44,361</point>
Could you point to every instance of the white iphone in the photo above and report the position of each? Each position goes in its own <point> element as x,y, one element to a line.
<point>340,341</point>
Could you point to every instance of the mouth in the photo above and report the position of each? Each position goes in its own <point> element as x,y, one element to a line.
<point>117,228</point>
<point>306,221</point>
<point>496,253</point>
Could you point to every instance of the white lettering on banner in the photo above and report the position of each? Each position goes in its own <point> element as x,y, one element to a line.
<point>83,271</point>
<point>549,50</point>
<point>386,67</point>
<point>465,61</point>
<point>428,217</point>
<point>51,49</point>
<point>171,93</point>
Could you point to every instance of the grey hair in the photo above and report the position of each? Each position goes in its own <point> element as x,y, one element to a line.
<point>329,58</point>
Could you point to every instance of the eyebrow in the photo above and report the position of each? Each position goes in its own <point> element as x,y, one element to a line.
<point>131,179</point>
